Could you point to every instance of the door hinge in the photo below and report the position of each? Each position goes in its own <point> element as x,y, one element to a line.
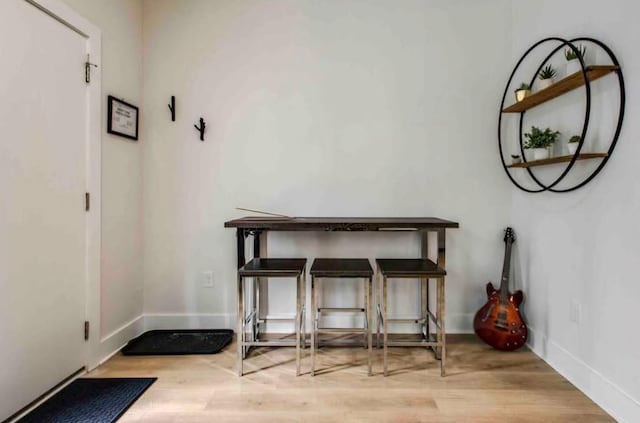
<point>87,69</point>
<point>86,330</point>
<point>87,201</point>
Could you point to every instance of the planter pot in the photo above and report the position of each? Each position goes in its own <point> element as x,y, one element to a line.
<point>540,153</point>
<point>545,83</point>
<point>522,94</point>
<point>572,147</point>
<point>573,66</point>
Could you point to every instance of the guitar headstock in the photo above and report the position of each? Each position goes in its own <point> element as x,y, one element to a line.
<point>509,235</point>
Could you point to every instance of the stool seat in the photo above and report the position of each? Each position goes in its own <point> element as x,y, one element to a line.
<point>423,269</point>
<point>341,268</point>
<point>330,268</point>
<point>273,267</point>
<point>408,268</point>
<point>257,269</point>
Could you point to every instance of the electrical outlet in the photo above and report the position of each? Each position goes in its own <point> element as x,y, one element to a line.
<point>207,279</point>
<point>575,312</point>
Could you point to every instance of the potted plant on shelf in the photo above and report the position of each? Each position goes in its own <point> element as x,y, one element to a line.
<point>523,91</point>
<point>572,145</point>
<point>539,141</point>
<point>573,64</point>
<point>546,76</point>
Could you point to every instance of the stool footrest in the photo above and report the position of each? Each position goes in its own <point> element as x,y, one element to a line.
<point>274,343</point>
<point>341,309</point>
<point>414,344</point>
<point>282,319</point>
<point>341,330</point>
<point>417,320</point>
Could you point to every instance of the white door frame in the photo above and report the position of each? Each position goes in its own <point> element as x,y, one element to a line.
<point>69,17</point>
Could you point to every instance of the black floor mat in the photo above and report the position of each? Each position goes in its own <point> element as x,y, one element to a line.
<point>179,342</point>
<point>101,400</point>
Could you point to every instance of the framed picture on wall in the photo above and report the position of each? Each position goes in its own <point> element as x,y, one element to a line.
<point>122,118</point>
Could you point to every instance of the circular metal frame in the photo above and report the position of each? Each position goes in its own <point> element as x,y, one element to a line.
<point>585,125</point>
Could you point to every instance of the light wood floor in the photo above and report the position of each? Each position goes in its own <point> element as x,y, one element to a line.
<point>482,385</point>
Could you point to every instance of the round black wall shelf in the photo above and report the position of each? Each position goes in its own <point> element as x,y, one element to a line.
<point>579,79</point>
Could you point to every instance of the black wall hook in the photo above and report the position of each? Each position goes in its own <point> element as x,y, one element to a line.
<point>172,107</point>
<point>201,129</point>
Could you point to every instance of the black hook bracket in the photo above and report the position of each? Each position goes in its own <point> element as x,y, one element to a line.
<point>172,107</point>
<point>201,129</point>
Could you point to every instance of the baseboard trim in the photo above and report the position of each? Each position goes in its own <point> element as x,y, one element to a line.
<point>113,342</point>
<point>609,396</point>
<point>456,323</point>
<point>189,321</point>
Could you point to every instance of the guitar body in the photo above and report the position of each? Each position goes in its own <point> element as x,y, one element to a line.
<point>500,324</point>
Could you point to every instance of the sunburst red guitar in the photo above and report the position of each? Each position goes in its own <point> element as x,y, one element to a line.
<point>499,322</point>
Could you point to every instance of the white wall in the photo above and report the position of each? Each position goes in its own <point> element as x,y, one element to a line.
<point>121,281</point>
<point>583,247</point>
<point>315,108</point>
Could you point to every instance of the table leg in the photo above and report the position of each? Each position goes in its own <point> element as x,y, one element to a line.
<point>240,235</point>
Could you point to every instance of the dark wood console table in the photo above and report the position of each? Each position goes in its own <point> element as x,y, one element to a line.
<point>259,226</point>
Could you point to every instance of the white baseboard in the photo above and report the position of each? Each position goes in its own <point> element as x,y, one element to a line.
<point>615,401</point>
<point>460,323</point>
<point>189,321</point>
<point>114,341</point>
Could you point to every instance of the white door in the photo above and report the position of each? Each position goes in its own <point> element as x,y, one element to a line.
<point>43,234</point>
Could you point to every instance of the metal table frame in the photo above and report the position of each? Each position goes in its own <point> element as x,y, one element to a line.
<point>259,227</point>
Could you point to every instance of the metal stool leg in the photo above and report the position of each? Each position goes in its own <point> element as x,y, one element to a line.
<point>303,298</point>
<point>369,321</point>
<point>424,302</point>
<point>442,334</point>
<point>385,323</point>
<point>366,296</point>
<point>377,289</point>
<point>298,322</point>
<point>314,325</point>
<point>240,335</point>
<point>253,310</point>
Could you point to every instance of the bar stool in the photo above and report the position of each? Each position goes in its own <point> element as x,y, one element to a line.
<point>406,269</point>
<point>340,268</point>
<point>271,268</point>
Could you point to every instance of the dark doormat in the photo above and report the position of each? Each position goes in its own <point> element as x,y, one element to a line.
<point>102,400</point>
<point>179,342</point>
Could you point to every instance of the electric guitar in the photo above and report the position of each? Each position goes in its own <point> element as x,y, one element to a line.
<point>498,322</point>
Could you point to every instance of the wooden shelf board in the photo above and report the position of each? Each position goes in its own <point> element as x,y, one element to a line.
<point>559,159</point>
<point>565,85</point>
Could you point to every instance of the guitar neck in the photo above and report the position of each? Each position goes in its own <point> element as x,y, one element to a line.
<point>506,269</point>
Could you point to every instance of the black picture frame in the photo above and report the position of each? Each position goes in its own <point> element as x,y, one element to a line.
<point>120,117</point>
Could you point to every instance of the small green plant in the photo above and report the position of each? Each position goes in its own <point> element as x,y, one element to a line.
<point>540,139</point>
<point>575,138</point>
<point>547,72</point>
<point>523,86</point>
<point>570,54</point>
